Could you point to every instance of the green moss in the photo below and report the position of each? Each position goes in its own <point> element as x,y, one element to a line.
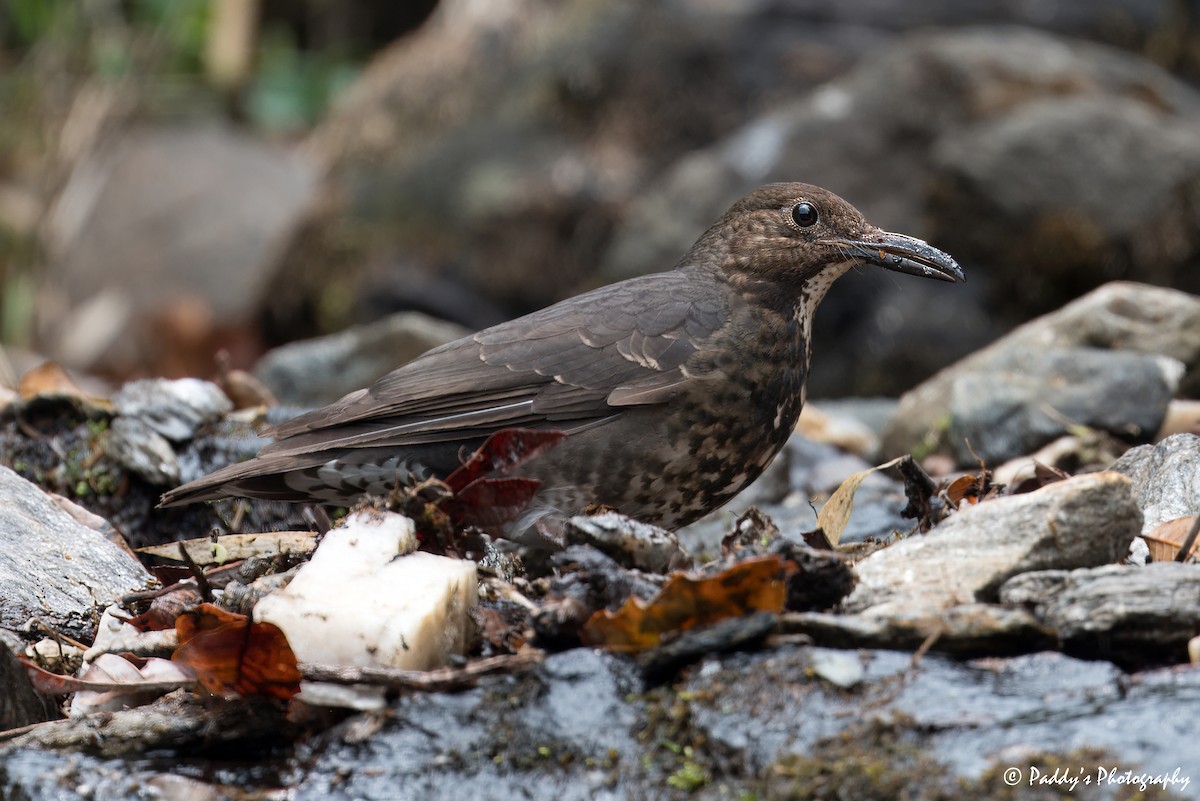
<point>935,438</point>
<point>689,777</point>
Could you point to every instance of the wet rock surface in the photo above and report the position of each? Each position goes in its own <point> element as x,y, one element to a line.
<point>763,722</point>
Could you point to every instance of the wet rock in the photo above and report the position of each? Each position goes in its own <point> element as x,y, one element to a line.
<point>1029,398</point>
<point>319,371</point>
<point>965,717</point>
<point>1081,522</point>
<point>1133,615</point>
<point>775,723</point>
<point>55,568</point>
<point>519,724</point>
<point>1166,478</point>
<point>1119,316</point>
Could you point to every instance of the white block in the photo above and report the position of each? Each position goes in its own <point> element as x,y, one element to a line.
<point>359,601</point>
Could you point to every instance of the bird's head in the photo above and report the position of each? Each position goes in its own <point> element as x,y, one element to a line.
<point>805,235</point>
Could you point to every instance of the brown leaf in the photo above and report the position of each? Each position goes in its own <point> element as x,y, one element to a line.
<point>230,655</point>
<point>1166,538</point>
<point>965,487</point>
<point>49,378</point>
<point>685,602</point>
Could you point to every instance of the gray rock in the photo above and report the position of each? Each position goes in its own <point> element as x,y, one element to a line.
<point>135,445</point>
<point>963,630</point>
<point>159,217</point>
<point>1029,398</point>
<point>1081,522</point>
<point>870,136</point>
<point>1117,316</point>
<point>1138,612</point>
<point>1166,478</point>
<point>175,409</point>
<point>632,543</point>
<point>55,568</point>
<point>1090,208</point>
<point>319,371</point>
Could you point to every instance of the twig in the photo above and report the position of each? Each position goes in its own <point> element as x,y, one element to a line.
<point>441,680</point>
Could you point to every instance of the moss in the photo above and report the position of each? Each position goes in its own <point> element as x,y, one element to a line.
<point>935,439</point>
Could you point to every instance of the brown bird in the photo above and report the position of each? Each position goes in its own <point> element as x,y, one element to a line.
<point>675,390</point>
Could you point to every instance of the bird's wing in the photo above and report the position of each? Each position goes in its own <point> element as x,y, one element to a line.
<point>571,364</point>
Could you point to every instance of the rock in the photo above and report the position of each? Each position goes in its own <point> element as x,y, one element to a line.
<point>1081,522</point>
<point>631,543</point>
<point>54,568</point>
<point>319,371</point>
<point>870,135</point>
<point>964,630</point>
<point>1118,316</point>
<point>1026,399</point>
<point>136,446</point>
<point>175,409</point>
<point>1133,615</point>
<point>163,238</point>
<point>151,412</point>
<point>1042,169</point>
<point>838,425</point>
<point>1166,478</point>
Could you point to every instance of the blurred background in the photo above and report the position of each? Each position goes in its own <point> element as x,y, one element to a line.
<point>180,178</point>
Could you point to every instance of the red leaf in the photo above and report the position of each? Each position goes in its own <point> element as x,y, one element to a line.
<point>503,450</point>
<point>490,503</point>
<point>230,655</point>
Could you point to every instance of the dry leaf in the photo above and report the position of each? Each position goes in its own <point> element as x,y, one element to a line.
<point>206,551</point>
<point>754,585</point>
<point>230,655</point>
<point>49,378</point>
<point>835,514</point>
<point>1166,538</point>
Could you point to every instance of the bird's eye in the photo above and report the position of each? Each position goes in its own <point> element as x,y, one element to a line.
<point>804,215</point>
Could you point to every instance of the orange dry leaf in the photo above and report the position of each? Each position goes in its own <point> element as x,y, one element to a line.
<point>48,378</point>
<point>965,487</point>
<point>754,585</point>
<point>230,655</point>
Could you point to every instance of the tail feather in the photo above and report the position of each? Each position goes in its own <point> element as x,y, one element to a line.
<point>265,479</point>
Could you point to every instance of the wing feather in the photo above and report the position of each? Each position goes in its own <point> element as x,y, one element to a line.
<point>554,367</point>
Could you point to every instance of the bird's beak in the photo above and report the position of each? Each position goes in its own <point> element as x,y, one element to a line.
<point>904,254</point>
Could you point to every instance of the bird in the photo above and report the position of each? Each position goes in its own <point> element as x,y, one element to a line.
<point>674,390</point>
